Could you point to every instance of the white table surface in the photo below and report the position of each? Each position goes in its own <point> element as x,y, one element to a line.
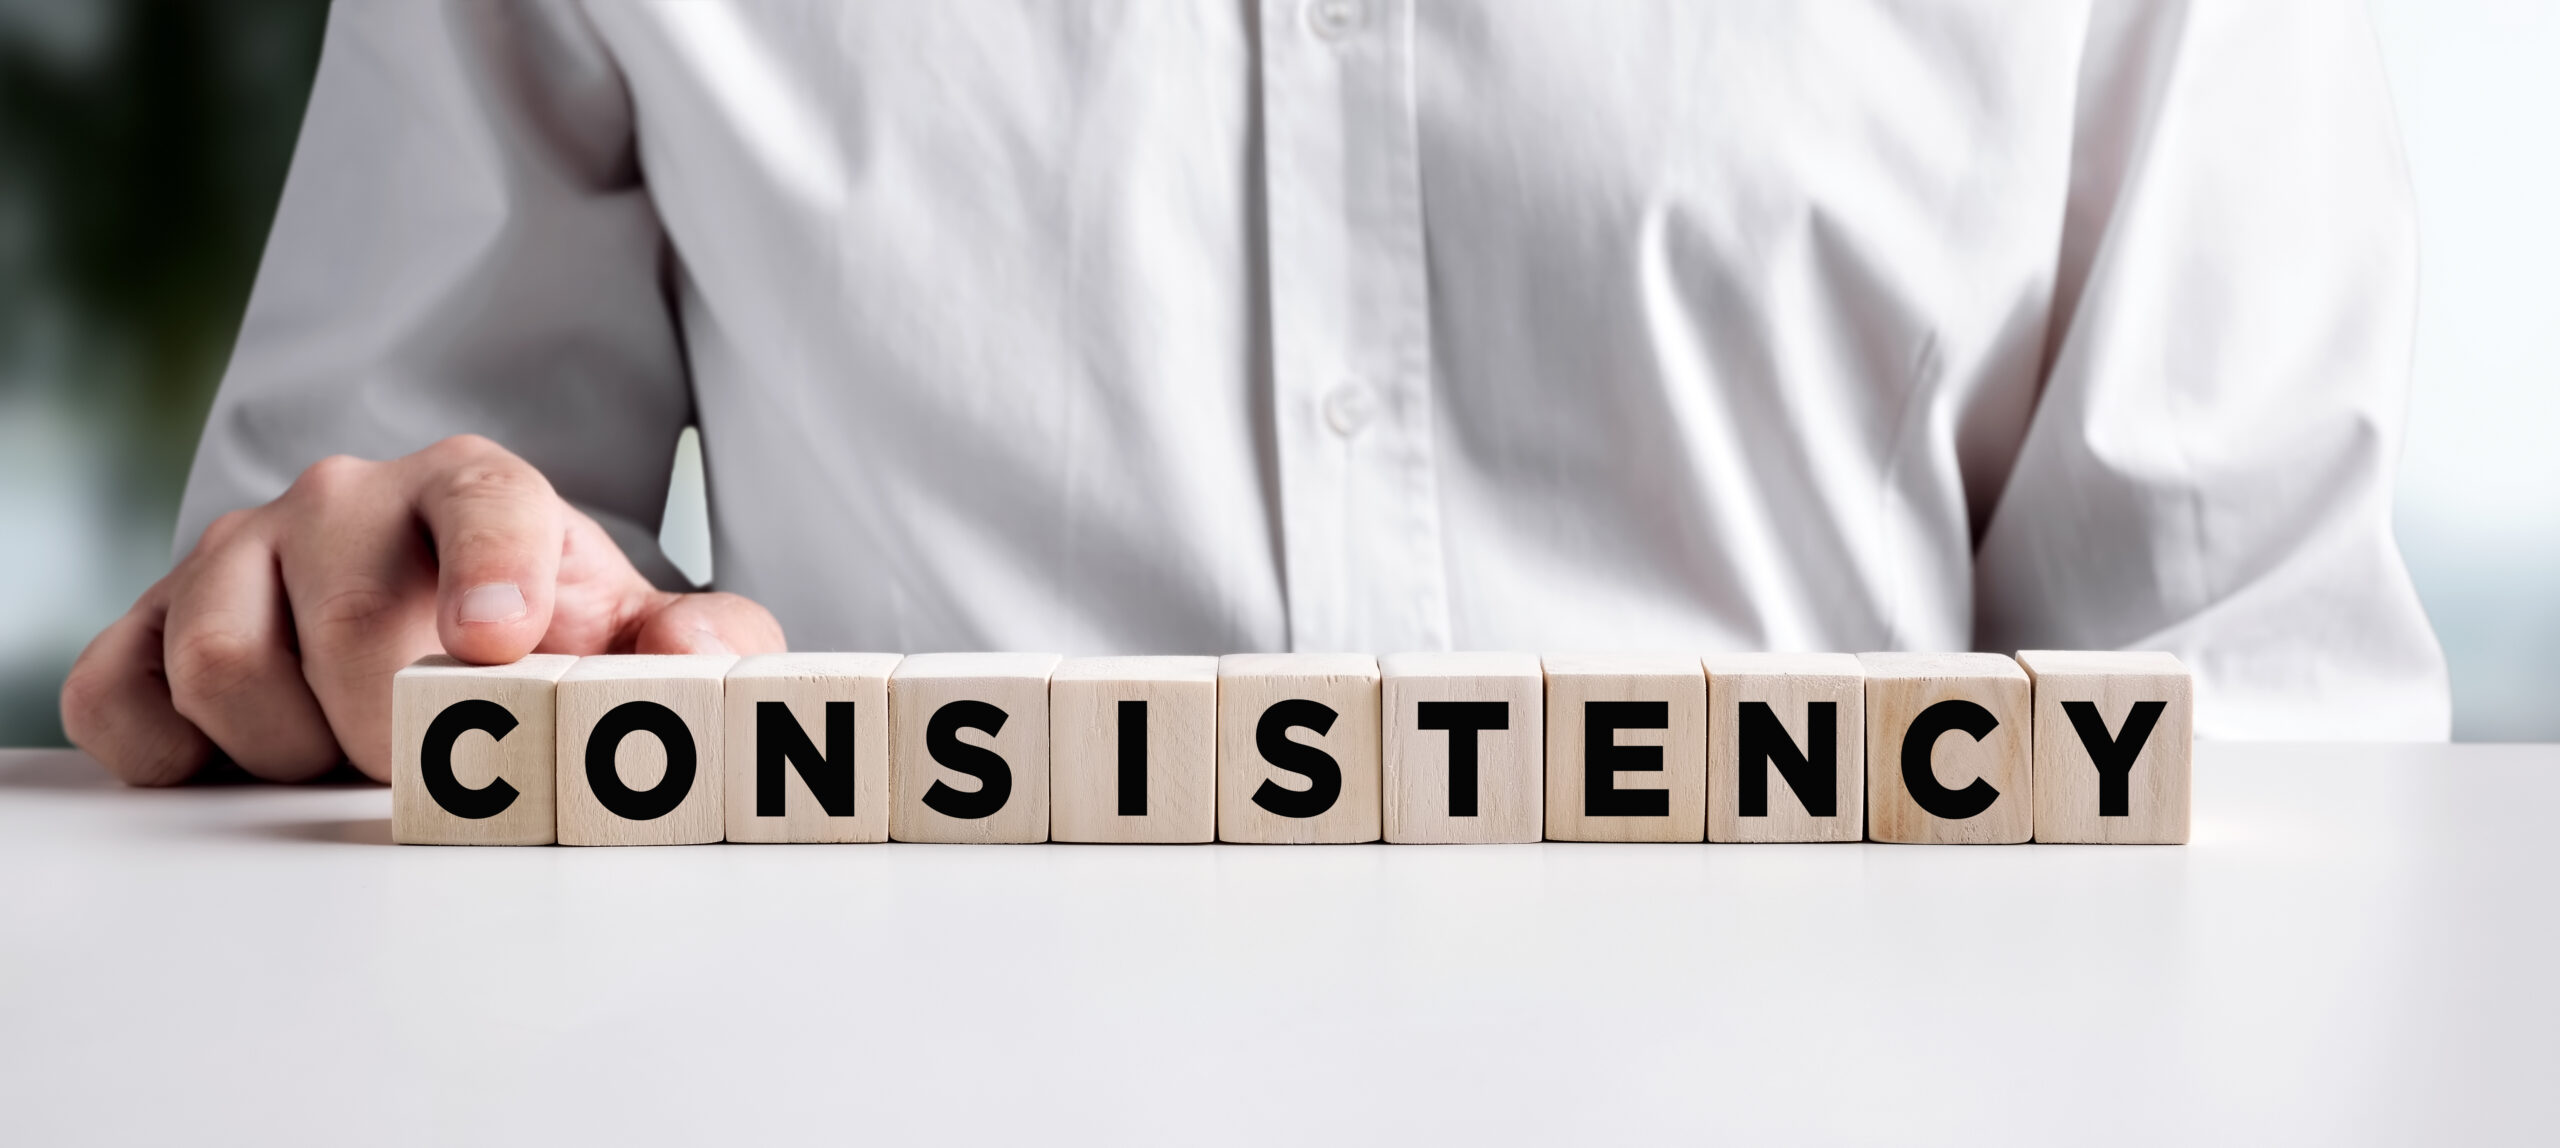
<point>2359,946</point>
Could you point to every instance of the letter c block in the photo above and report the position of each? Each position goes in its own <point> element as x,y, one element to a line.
<point>1949,750</point>
<point>471,751</point>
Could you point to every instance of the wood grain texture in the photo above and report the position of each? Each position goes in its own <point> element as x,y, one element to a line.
<point>1178,788</point>
<point>1792,687</point>
<point>1676,751</point>
<point>972,692</point>
<point>1427,798</point>
<point>692,688</point>
<point>805,685</point>
<point>2071,797</point>
<point>1346,685</point>
<point>1903,687</point>
<point>523,759</point>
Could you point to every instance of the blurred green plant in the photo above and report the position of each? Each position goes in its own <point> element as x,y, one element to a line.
<point>143,146</point>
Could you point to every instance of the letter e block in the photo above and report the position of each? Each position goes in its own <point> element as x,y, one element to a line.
<point>2115,744</point>
<point>471,751</point>
<point>1949,757</point>
<point>1786,747</point>
<point>808,748</point>
<point>1626,748</point>
<point>1298,749</point>
<point>1133,750</point>
<point>1464,749</point>
<point>641,745</point>
<point>969,748</point>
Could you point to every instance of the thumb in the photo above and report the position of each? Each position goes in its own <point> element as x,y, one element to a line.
<point>498,530</point>
<point>713,623</point>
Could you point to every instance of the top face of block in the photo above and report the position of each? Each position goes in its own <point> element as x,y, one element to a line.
<point>648,667</point>
<point>1024,666</point>
<point>1905,667</point>
<point>794,666</point>
<point>1435,664</point>
<point>1619,665</point>
<point>1298,666</point>
<point>1142,668</point>
<point>530,668</point>
<point>2048,663</point>
<point>1787,665</point>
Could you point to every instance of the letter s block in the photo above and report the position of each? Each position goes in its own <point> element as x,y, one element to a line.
<point>2115,743</point>
<point>1298,759</point>
<point>471,751</point>
<point>1948,750</point>
<point>969,748</point>
<point>641,749</point>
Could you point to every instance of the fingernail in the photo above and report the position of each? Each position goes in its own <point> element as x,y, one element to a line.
<point>492,603</point>
<point>706,642</point>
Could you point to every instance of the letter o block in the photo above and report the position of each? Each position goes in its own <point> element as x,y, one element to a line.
<point>969,748</point>
<point>642,749</point>
<point>2115,743</point>
<point>1949,758</point>
<point>471,751</point>
<point>1298,760</point>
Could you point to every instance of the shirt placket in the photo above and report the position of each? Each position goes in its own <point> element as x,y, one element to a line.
<point>1350,327</point>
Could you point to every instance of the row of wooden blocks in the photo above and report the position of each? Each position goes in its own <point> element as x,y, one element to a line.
<point>1294,748</point>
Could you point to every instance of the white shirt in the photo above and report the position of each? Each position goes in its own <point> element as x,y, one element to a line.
<point>1393,325</point>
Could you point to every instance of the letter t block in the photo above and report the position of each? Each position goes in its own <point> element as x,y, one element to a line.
<point>1465,748</point>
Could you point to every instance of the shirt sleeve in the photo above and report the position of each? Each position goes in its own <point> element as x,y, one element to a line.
<point>464,244</point>
<point>2209,467</point>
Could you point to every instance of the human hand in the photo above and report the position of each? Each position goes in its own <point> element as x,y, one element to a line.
<point>275,639</point>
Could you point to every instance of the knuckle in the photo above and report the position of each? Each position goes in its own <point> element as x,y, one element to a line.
<point>88,704</point>
<point>462,449</point>
<point>223,529</point>
<point>330,479</point>
<point>362,609</point>
<point>208,665</point>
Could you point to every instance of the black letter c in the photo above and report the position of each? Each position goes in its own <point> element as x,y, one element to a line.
<point>435,759</point>
<point>1922,782</point>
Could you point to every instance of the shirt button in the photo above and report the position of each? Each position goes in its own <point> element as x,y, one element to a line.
<point>1333,19</point>
<point>1349,407</point>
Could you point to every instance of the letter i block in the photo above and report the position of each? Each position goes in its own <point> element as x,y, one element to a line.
<point>471,752</point>
<point>1786,747</point>
<point>1298,749</point>
<point>1133,750</point>
<point>1626,748</point>
<point>1948,750</point>
<point>641,744</point>
<point>808,748</point>
<point>2115,744</point>
<point>969,748</point>
<point>1464,750</point>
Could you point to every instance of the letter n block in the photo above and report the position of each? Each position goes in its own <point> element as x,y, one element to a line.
<point>641,749</point>
<point>1464,748</point>
<point>1133,750</point>
<point>1626,748</point>
<point>808,748</point>
<point>1786,747</point>
<point>2115,744</point>
<point>1949,759</point>
<point>969,748</point>
<point>1298,749</point>
<point>471,752</point>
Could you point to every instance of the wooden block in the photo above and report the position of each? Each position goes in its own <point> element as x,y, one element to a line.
<point>1298,759</point>
<point>1133,750</point>
<point>1626,748</point>
<point>808,748</point>
<point>471,752</point>
<point>641,747</point>
<point>969,748</point>
<point>1948,750</point>
<point>1463,748</point>
<point>2114,745</point>
<point>1786,747</point>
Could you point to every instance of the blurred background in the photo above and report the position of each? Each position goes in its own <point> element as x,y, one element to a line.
<point>143,145</point>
